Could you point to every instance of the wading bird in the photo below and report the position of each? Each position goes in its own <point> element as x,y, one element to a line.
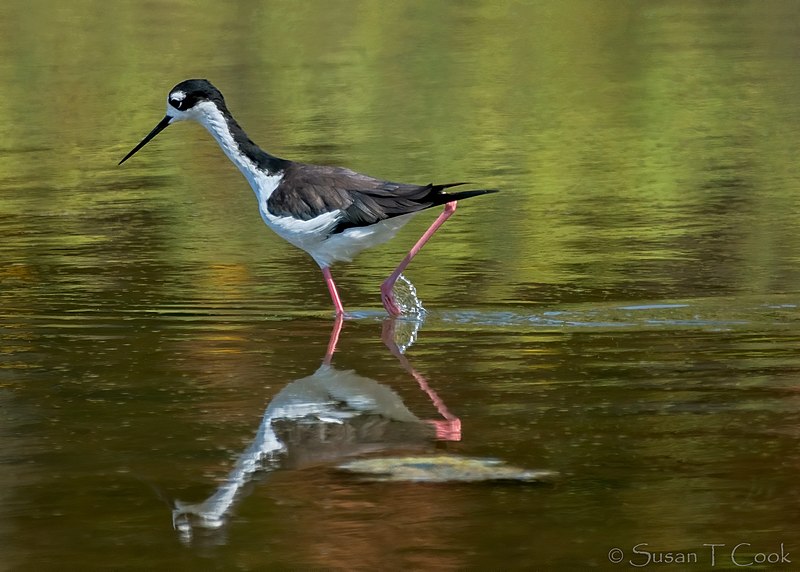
<point>330,212</point>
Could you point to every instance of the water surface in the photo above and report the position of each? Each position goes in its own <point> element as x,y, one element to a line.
<point>624,312</point>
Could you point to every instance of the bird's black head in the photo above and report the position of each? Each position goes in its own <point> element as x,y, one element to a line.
<point>189,100</point>
<point>190,92</point>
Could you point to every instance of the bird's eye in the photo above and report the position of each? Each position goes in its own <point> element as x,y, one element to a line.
<point>177,99</point>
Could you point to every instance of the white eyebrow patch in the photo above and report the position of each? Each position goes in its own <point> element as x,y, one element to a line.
<point>177,95</point>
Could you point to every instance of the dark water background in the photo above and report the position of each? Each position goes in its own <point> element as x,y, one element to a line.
<point>625,312</point>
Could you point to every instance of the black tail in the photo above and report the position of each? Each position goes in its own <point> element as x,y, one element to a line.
<point>440,197</point>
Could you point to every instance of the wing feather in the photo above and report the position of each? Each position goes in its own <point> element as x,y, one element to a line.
<point>308,191</point>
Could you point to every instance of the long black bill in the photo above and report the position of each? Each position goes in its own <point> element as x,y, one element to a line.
<point>158,129</point>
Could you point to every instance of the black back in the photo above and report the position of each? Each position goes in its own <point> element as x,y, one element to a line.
<point>308,191</point>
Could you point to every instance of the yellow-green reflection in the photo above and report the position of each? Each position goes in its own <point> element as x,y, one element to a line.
<point>646,152</point>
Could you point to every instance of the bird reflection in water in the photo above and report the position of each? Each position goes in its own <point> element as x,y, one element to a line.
<point>330,415</point>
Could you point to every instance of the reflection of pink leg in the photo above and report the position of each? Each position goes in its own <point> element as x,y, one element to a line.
<point>386,288</point>
<point>337,328</point>
<point>337,303</point>
<point>450,428</point>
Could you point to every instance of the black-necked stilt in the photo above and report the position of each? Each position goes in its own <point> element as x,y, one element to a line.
<point>330,212</point>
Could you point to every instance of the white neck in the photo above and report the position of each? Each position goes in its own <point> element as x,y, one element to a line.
<point>212,119</point>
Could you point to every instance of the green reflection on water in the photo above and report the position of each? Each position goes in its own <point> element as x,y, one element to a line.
<point>638,145</point>
<point>646,153</point>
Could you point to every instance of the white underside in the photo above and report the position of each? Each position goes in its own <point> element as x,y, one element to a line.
<point>313,235</point>
<point>342,247</point>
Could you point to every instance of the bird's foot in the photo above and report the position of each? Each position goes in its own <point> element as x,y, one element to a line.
<point>387,297</point>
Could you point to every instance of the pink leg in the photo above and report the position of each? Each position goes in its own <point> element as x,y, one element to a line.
<point>337,328</point>
<point>337,303</point>
<point>387,296</point>
<point>447,429</point>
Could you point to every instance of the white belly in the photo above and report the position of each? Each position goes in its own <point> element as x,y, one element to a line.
<point>343,246</point>
<point>313,235</point>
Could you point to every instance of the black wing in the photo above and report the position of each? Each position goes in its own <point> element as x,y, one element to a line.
<point>308,191</point>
